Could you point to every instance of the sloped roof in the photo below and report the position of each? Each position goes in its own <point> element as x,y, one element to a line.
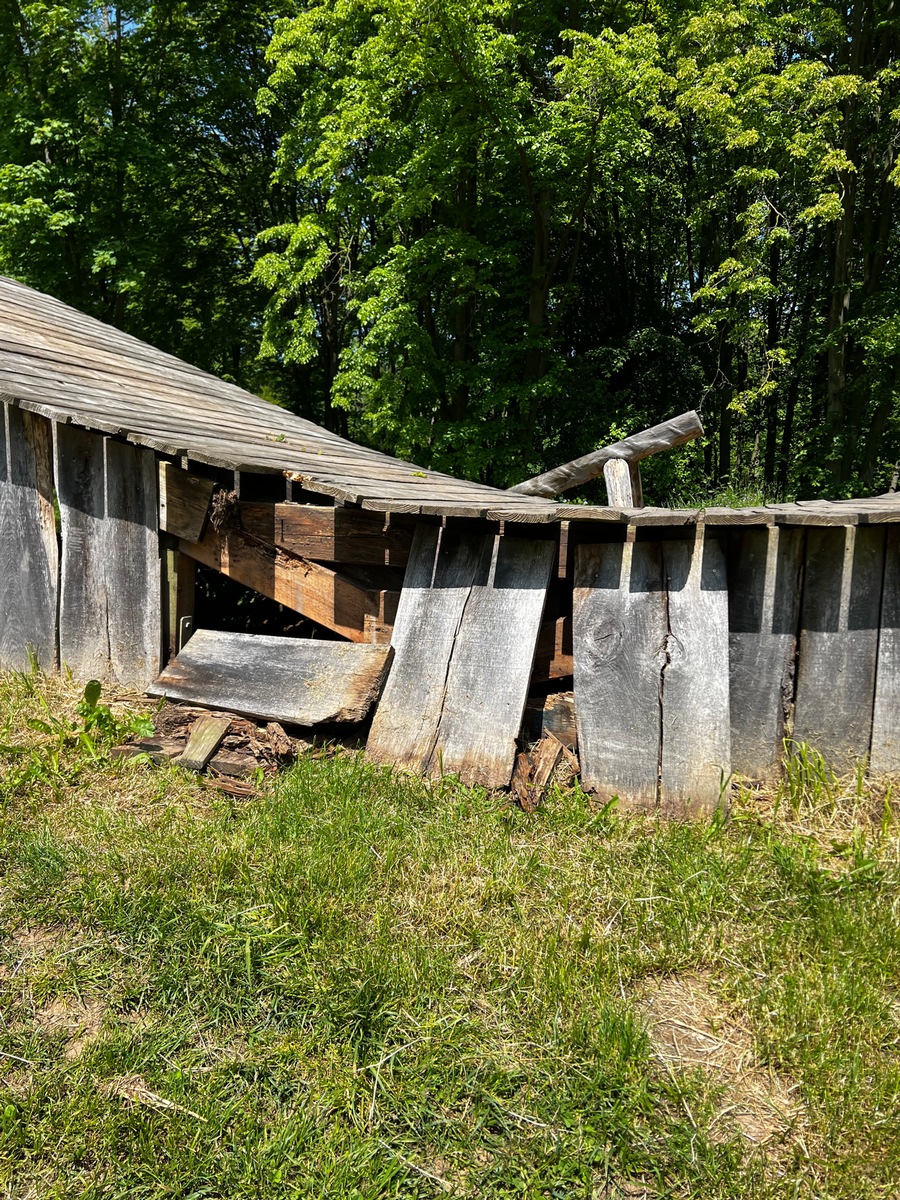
<point>70,367</point>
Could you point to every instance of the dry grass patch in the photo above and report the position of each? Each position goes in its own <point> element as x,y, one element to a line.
<point>79,1022</point>
<point>692,1029</point>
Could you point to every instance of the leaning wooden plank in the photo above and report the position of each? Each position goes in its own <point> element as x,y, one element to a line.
<point>28,550</point>
<point>885,756</point>
<point>329,534</point>
<point>295,680</point>
<point>695,761</point>
<point>322,595</point>
<point>490,667</point>
<point>80,486</point>
<point>465,634</point>
<point>839,641</point>
<point>619,634</point>
<point>132,564</point>
<point>640,445</point>
<point>443,565</point>
<point>764,568</point>
<point>183,502</point>
<point>207,734</point>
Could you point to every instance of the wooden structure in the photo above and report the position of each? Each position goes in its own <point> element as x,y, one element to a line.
<point>675,647</point>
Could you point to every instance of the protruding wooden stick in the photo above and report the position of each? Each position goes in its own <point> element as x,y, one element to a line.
<point>640,445</point>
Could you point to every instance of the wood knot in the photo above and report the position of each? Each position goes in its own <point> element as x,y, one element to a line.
<point>225,511</point>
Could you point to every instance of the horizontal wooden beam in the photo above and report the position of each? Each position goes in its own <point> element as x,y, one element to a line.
<point>317,592</point>
<point>329,534</point>
<point>640,445</point>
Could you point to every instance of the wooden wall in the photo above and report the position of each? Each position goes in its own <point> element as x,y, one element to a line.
<point>83,594</point>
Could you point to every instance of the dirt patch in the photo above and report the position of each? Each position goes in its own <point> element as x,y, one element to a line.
<point>691,1028</point>
<point>80,1023</point>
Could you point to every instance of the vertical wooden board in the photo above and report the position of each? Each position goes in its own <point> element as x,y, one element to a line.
<point>885,756</point>
<point>839,640</point>
<point>441,570</point>
<point>764,568</point>
<point>619,635</point>
<point>132,561</point>
<point>83,634</point>
<point>490,665</point>
<point>28,551</point>
<point>695,762</point>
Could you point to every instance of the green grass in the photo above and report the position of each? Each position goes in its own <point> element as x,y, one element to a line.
<point>361,985</point>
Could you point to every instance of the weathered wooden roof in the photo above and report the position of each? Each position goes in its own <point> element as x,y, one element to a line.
<point>72,368</point>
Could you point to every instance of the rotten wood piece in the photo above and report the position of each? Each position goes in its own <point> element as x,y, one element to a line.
<point>29,565</point>
<point>356,612</point>
<point>664,436</point>
<point>294,680</point>
<point>183,502</point>
<point>207,734</point>
<point>330,534</point>
<point>534,772</point>
<point>465,635</point>
<point>551,714</point>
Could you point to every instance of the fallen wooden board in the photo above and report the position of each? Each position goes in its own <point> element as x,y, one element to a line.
<point>296,680</point>
<point>29,565</point>
<point>764,570</point>
<point>207,734</point>
<point>839,641</point>
<point>464,637</point>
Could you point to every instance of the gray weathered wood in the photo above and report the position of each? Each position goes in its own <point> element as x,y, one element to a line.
<point>619,635</point>
<point>695,762</point>
<point>28,551</point>
<point>764,570</point>
<point>295,680</point>
<point>617,474</point>
<point>640,445</point>
<point>183,502</point>
<point>839,641</point>
<point>464,636</point>
<point>885,755</point>
<point>132,564</point>
<point>83,627</point>
<point>207,734</point>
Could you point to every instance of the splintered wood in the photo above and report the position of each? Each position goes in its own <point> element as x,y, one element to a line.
<point>296,680</point>
<point>464,640</point>
<point>651,673</point>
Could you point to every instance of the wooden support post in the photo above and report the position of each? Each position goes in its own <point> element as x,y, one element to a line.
<point>617,473</point>
<point>179,588</point>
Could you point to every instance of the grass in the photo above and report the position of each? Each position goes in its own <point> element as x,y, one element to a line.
<point>362,985</point>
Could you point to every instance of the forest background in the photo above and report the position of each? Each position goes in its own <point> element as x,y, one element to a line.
<point>486,236</point>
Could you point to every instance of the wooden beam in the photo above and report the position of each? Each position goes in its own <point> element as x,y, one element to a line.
<point>329,534</point>
<point>183,502</point>
<point>617,474</point>
<point>324,596</point>
<point>632,449</point>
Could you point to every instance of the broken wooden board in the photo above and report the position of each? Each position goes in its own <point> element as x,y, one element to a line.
<point>296,680</point>
<point>534,772</point>
<point>183,502</point>
<point>317,592</point>
<point>838,645</point>
<point>764,572</point>
<point>207,734</point>
<point>619,634</point>
<point>551,714</point>
<point>342,535</point>
<point>651,674</point>
<point>885,755</point>
<point>464,637</point>
<point>29,565</point>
